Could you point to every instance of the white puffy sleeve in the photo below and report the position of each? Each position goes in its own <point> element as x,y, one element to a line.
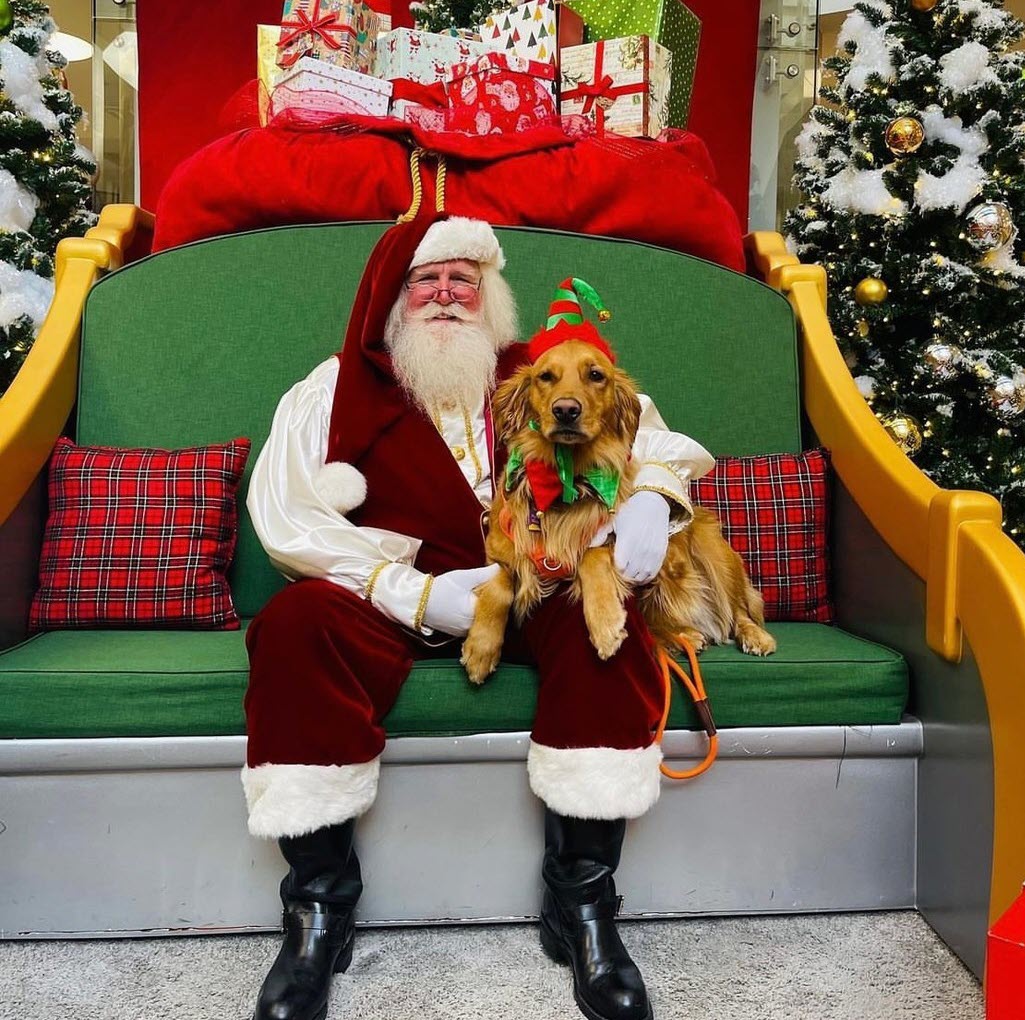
<point>302,534</point>
<point>667,461</point>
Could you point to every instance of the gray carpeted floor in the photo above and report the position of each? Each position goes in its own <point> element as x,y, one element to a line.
<point>818,967</point>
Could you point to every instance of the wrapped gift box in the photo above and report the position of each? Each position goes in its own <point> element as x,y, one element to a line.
<point>527,30</point>
<point>669,22</point>
<point>500,93</point>
<point>267,69</point>
<point>340,32</point>
<point>621,84</point>
<point>415,61</point>
<point>316,88</point>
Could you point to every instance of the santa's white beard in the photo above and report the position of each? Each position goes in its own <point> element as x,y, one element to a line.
<point>441,361</point>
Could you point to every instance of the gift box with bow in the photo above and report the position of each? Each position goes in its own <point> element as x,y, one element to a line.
<point>315,91</point>
<point>416,64</point>
<point>669,22</point>
<point>621,84</point>
<point>500,93</point>
<point>340,32</point>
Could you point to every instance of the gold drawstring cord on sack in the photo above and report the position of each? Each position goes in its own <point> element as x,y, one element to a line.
<point>418,188</point>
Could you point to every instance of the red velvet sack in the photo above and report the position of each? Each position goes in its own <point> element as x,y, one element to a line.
<point>659,192</point>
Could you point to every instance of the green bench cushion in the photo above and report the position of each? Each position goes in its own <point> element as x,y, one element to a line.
<point>189,683</point>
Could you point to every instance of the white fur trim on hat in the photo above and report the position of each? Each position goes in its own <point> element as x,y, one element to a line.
<point>341,486</point>
<point>292,800</point>
<point>595,782</point>
<point>459,238</point>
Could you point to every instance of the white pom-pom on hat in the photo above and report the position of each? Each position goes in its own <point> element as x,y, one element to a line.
<point>341,486</point>
<point>459,237</point>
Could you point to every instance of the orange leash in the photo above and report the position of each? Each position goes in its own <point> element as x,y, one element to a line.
<point>696,687</point>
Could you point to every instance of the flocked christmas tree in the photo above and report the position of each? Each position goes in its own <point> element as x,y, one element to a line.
<point>44,175</point>
<point>442,15</point>
<point>912,174</point>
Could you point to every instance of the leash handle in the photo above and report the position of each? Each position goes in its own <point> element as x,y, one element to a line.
<point>696,688</point>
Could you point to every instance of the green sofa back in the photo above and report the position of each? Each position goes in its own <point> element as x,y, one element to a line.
<point>197,344</point>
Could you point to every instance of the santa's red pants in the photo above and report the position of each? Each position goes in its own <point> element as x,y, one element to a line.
<point>326,668</point>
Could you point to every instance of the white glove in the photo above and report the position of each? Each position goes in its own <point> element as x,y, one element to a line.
<point>452,600</point>
<point>642,536</point>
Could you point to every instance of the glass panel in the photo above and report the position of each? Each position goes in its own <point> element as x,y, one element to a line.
<point>785,89</point>
<point>115,84</point>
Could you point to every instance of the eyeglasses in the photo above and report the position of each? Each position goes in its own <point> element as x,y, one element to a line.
<point>460,291</point>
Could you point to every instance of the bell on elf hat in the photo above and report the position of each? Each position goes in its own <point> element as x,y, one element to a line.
<point>566,320</point>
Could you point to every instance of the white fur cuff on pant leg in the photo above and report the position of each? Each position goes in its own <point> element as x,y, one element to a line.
<point>595,782</point>
<point>292,800</point>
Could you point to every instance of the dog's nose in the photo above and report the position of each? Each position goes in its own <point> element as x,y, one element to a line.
<point>566,411</point>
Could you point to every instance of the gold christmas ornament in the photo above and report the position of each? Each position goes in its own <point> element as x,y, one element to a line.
<point>989,226</point>
<point>923,6</point>
<point>905,432</point>
<point>904,135</point>
<point>863,327</point>
<point>1006,398</point>
<point>942,359</point>
<point>871,291</point>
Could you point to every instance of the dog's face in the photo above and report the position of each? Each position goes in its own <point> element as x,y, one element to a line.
<point>574,393</point>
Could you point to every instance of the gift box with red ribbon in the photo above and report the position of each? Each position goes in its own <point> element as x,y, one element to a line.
<point>340,32</point>
<point>416,64</point>
<point>621,84</point>
<point>500,94</point>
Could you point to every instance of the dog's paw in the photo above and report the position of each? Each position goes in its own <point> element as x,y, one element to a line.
<point>479,659</point>
<point>608,641</point>
<point>756,642</point>
<point>696,638</point>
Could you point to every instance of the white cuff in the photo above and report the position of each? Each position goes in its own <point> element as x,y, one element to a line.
<point>292,800</point>
<point>656,476</point>
<point>398,591</point>
<point>595,782</point>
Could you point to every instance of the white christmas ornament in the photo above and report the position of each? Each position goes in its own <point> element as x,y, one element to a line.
<point>23,293</point>
<point>874,53</point>
<point>966,67</point>
<point>22,82</point>
<point>17,204</point>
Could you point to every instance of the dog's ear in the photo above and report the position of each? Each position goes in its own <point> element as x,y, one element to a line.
<point>511,405</point>
<point>626,408</point>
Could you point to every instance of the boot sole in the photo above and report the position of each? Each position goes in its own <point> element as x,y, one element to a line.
<point>556,951</point>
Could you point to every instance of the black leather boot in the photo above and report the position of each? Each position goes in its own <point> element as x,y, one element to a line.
<point>319,896</point>
<point>578,917</point>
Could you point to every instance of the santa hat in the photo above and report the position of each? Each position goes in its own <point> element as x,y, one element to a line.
<point>566,320</point>
<point>367,398</point>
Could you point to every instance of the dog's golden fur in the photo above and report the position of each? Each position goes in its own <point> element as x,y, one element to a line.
<point>702,590</point>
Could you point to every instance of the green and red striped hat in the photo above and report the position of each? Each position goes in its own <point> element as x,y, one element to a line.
<point>566,320</point>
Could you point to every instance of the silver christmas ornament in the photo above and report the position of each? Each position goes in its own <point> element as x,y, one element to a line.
<point>1006,398</point>
<point>989,226</point>
<point>942,360</point>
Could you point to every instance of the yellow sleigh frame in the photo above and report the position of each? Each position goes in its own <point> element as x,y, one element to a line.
<point>974,574</point>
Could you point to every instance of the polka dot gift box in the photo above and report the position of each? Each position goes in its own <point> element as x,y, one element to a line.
<point>667,22</point>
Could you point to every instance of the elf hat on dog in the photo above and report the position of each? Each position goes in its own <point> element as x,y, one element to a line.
<point>566,320</point>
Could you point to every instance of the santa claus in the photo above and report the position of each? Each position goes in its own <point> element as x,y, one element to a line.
<point>369,496</point>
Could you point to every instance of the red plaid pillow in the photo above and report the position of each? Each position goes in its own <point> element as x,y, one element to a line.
<point>139,537</point>
<point>775,511</point>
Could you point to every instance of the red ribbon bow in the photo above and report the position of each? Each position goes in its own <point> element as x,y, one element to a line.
<point>432,95</point>
<point>320,25</point>
<point>602,87</point>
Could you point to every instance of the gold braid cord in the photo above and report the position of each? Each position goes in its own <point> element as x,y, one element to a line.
<point>418,188</point>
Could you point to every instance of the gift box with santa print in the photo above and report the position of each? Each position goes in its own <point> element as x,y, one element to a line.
<point>416,64</point>
<point>621,84</point>
<point>340,32</point>
<point>668,22</point>
<point>500,94</point>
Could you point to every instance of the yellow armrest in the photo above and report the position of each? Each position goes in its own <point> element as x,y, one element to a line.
<point>35,408</point>
<point>973,573</point>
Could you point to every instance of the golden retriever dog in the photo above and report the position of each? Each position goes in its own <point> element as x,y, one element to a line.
<point>574,397</point>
